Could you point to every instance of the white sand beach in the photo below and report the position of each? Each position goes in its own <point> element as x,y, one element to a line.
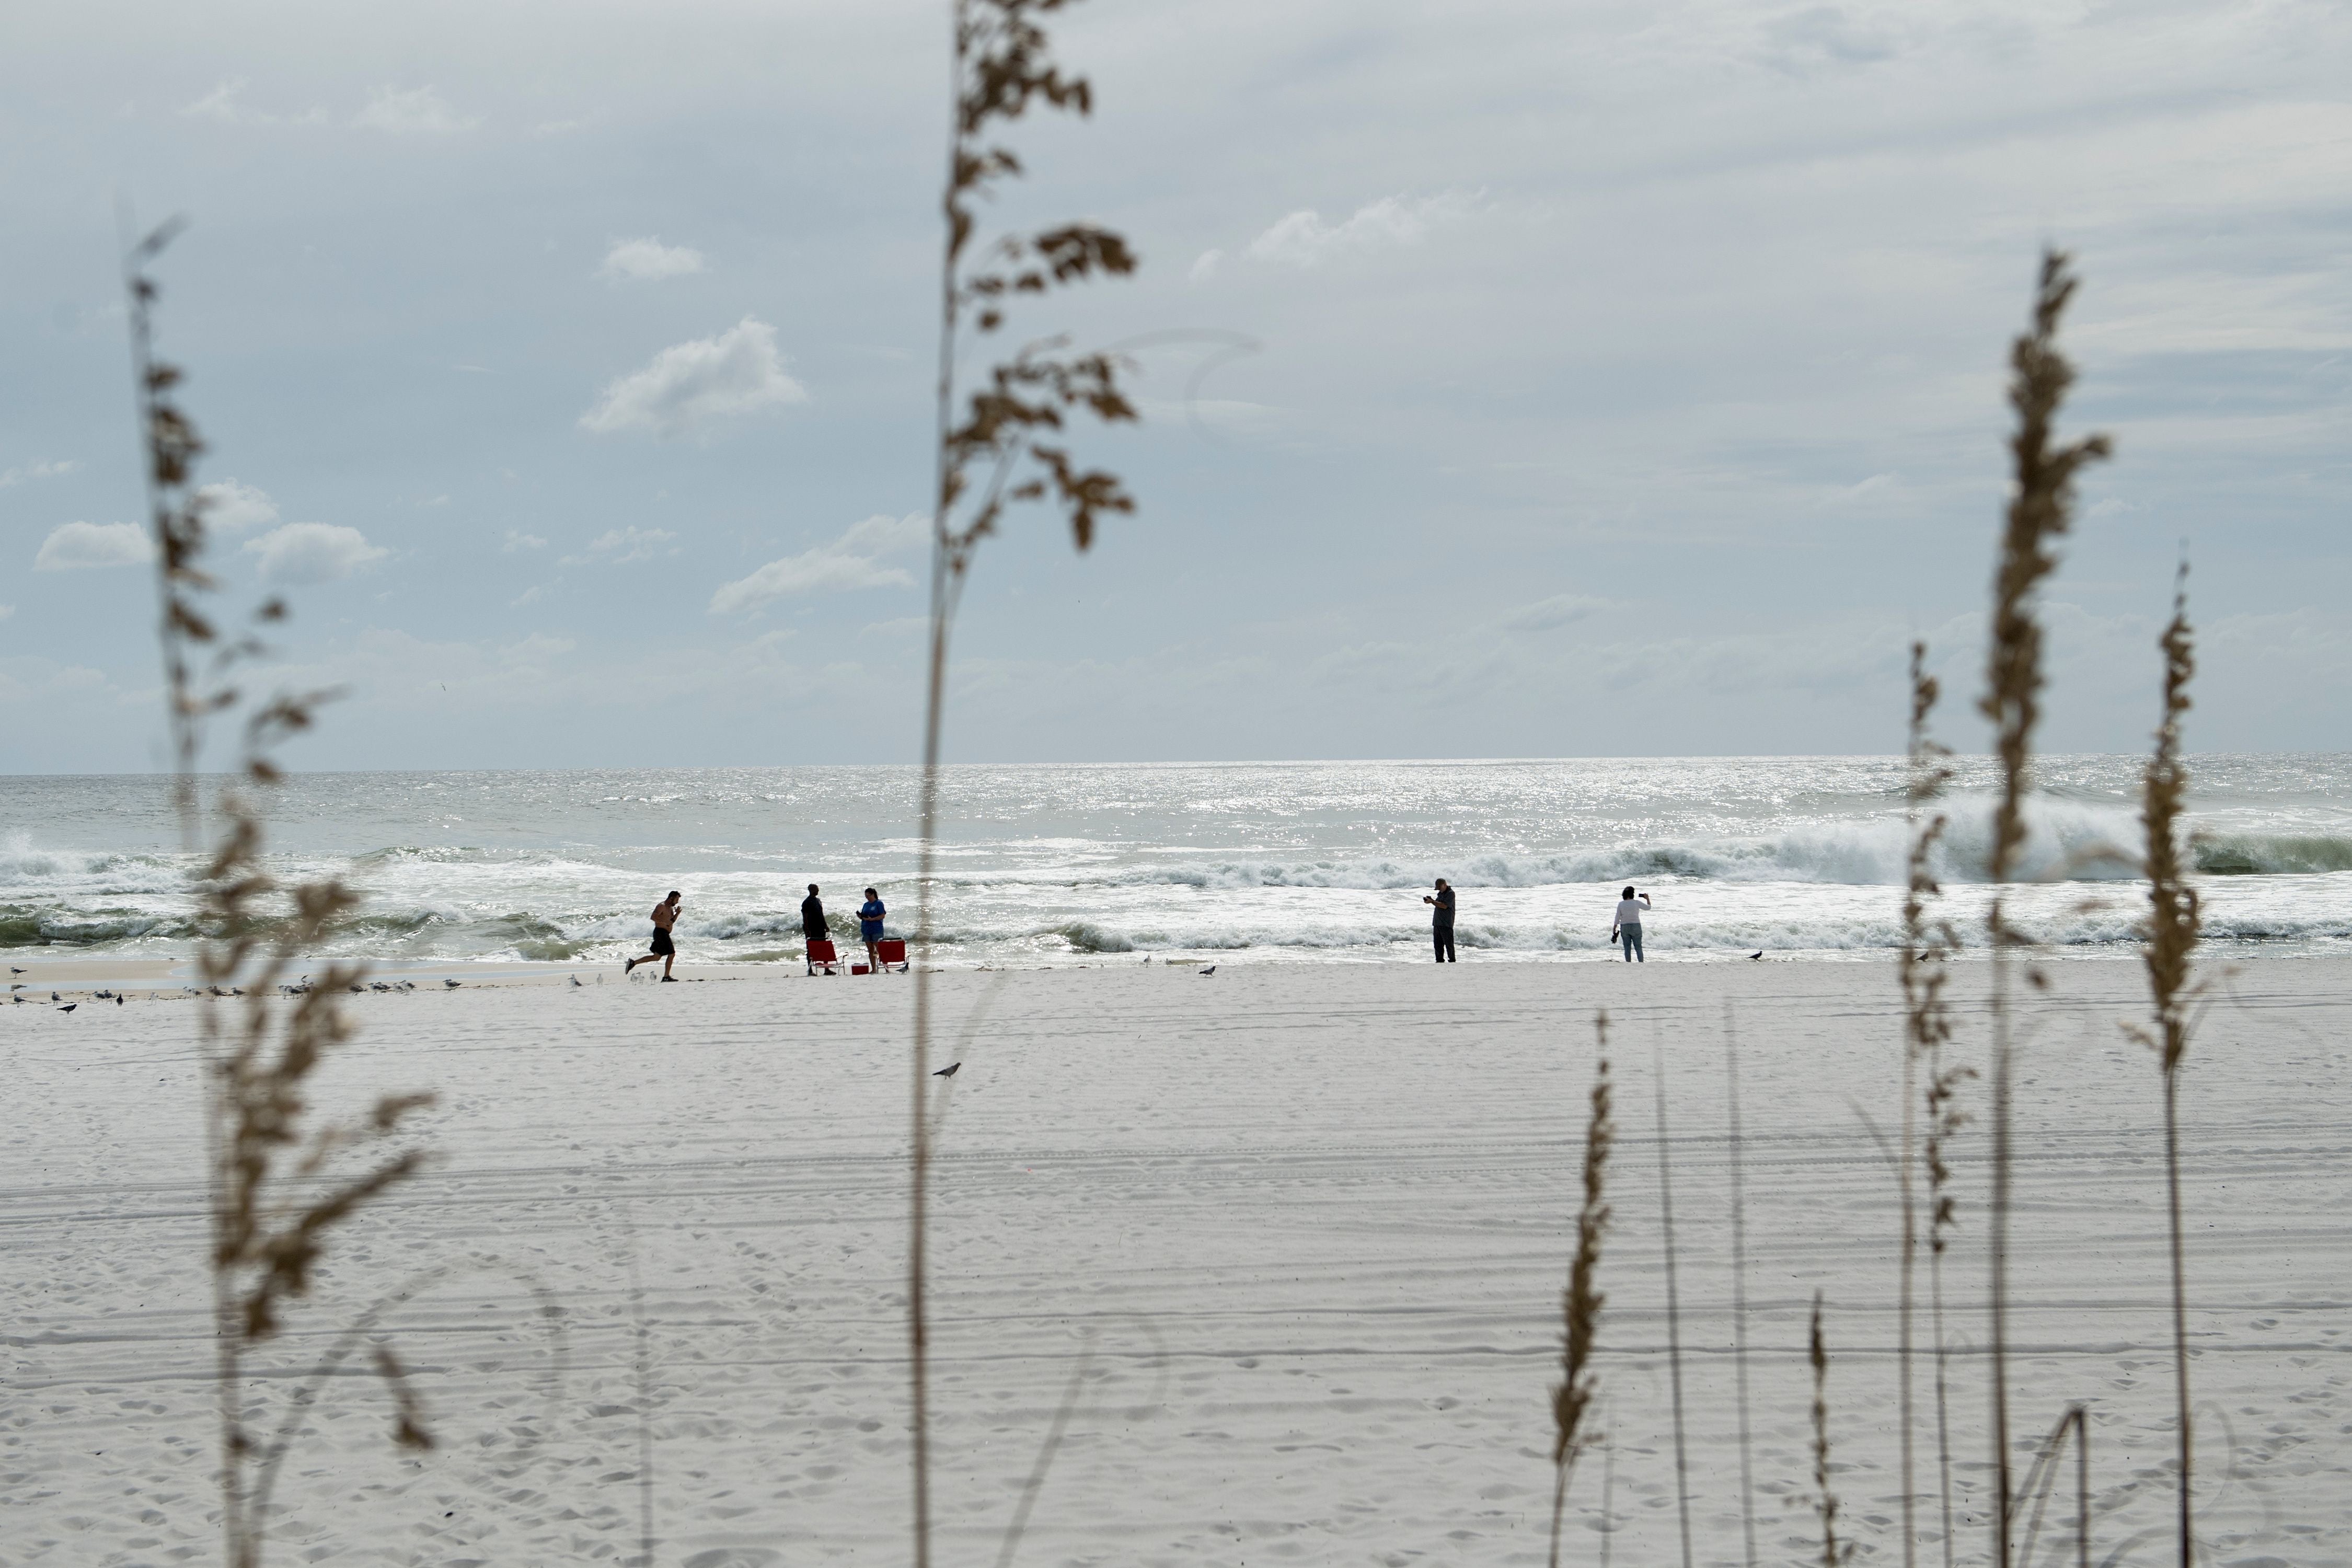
<point>1306,1224</point>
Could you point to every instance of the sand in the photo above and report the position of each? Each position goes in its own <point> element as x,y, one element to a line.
<point>1301,1228</point>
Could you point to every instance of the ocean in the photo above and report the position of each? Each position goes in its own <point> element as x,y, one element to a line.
<point>1266,861</point>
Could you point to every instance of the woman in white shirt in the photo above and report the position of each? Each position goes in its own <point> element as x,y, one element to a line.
<point>1628,929</point>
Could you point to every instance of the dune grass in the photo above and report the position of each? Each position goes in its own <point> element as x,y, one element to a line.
<point>1580,1303</point>
<point>279,1182</point>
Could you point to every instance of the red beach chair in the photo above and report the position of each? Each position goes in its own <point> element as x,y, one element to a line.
<point>892,952</point>
<point>820,954</point>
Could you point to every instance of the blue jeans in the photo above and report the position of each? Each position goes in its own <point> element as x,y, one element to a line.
<point>1631,937</point>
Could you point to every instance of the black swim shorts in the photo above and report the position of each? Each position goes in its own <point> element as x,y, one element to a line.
<point>662,942</point>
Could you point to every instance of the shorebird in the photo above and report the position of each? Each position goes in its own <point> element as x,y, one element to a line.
<point>13,970</point>
<point>68,1006</point>
<point>1758,953</point>
<point>949,1070</point>
<point>55,997</point>
<point>117,998</point>
<point>452,984</point>
<point>1206,972</point>
<point>575,983</point>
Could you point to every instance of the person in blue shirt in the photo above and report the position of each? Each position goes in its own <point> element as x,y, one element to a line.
<point>870,927</point>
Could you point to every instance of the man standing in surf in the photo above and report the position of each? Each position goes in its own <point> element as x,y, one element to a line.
<point>665,917</point>
<point>1440,920</point>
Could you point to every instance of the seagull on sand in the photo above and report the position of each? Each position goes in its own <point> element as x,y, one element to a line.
<point>949,1070</point>
<point>68,1006</point>
<point>117,998</point>
<point>13,970</point>
<point>452,984</point>
<point>1758,953</point>
<point>55,997</point>
<point>576,986</point>
<point>1206,972</point>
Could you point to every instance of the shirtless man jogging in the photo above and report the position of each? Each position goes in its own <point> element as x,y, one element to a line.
<point>665,917</point>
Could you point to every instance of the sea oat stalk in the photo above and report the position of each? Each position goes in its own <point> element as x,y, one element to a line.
<point>2168,950</point>
<point>2039,509</point>
<point>1927,941</point>
<point>999,449</point>
<point>278,1183</point>
<point>1571,1397</point>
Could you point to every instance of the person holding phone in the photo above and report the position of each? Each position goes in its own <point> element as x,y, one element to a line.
<point>869,928</point>
<point>1628,929</point>
<point>1440,920</point>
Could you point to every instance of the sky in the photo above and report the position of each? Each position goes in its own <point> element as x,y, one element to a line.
<point>1520,377</point>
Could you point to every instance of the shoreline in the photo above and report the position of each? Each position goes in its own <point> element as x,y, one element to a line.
<point>172,979</point>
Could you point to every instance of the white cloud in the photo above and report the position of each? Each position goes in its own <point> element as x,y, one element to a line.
<point>416,110</point>
<point>617,545</point>
<point>1204,266</point>
<point>222,105</point>
<point>1303,239</point>
<point>304,553</point>
<point>36,472</point>
<point>647,260</point>
<point>518,541</point>
<point>1560,610</point>
<point>852,561</point>
<point>234,508</point>
<point>77,544</point>
<point>738,371</point>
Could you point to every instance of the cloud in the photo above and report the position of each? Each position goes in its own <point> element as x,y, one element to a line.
<point>222,105</point>
<point>738,371</point>
<point>76,544</point>
<point>7,610</point>
<point>413,111</point>
<point>648,260</point>
<point>518,541</point>
<point>852,561</point>
<point>617,545</point>
<point>234,508</point>
<point>1303,239</point>
<point>305,552</point>
<point>1560,610</point>
<point>1204,266</point>
<point>36,472</point>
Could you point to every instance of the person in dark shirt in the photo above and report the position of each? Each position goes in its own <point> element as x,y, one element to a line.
<point>813,925</point>
<point>1441,921</point>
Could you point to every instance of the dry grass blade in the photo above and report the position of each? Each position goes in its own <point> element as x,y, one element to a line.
<point>1035,1482</point>
<point>1740,1286</point>
<point>1673,1303</point>
<point>999,446</point>
<point>1835,1555</point>
<point>2173,921</point>
<point>1571,1397</point>
<point>2040,507</point>
<point>277,1184</point>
